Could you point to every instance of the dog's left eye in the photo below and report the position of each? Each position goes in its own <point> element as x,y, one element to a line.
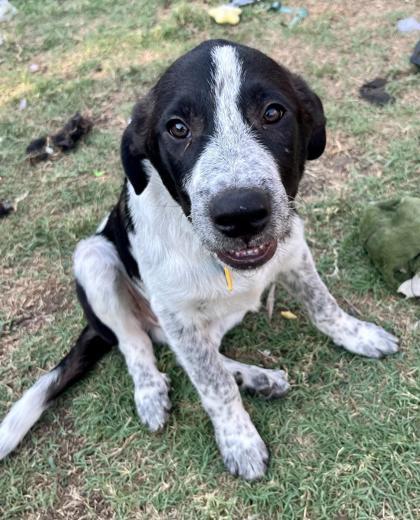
<point>273,113</point>
<point>178,129</point>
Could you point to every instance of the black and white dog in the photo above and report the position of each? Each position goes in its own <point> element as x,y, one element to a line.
<point>213,157</point>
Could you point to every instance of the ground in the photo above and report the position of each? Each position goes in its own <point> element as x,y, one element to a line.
<point>344,442</point>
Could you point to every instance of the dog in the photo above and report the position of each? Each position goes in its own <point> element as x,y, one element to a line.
<point>206,221</point>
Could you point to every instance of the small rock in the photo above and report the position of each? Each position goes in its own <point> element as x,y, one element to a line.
<point>6,207</point>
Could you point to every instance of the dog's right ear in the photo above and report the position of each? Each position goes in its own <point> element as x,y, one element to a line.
<point>134,145</point>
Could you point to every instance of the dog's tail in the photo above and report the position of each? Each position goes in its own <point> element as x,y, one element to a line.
<point>89,348</point>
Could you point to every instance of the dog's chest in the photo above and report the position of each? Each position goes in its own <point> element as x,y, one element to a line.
<point>195,284</point>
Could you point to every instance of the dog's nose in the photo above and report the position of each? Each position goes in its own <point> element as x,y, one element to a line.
<point>241,213</point>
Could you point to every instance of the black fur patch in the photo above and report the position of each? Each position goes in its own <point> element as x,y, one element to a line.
<point>116,230</point>
<point>87,351</point>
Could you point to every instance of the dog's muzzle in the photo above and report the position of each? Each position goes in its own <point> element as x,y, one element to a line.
<point>243,213</point>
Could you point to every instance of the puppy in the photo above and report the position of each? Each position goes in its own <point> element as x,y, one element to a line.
<point>205,222</point>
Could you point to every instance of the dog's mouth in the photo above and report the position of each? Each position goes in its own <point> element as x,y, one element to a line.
<point>249,258</point>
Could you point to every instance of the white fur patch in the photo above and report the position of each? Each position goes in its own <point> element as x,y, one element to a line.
<point>25,412</point>
<point>227,84</point>
<point>103,223</point>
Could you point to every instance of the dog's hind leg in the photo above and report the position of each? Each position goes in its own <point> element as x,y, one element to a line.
<point>265,382</point>
<point>113,301</point>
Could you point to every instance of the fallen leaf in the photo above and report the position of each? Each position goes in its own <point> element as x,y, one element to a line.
<point>288,315</point>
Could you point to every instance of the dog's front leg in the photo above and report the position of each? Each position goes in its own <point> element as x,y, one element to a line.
<point>197,349</point>
<point>299,276</point>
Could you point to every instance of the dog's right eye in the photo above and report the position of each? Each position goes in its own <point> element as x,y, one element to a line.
<point>178,129</point>
<point>273,113</point>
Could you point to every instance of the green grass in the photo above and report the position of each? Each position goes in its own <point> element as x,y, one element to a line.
<point>344,443</point>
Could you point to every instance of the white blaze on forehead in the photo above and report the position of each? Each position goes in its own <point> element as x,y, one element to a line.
<point>234,156</point>
<point>227,79</point>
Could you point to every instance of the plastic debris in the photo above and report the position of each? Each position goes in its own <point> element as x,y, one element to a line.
<point>410,288</point>
<point>23,104</point>
<point>298,13</point>
<point>242,3</point>
<point>225,14</point>
<point>7,11</point>
<point>374,92</point>
<point>415,57</point>
<point>6,207</point>
<point>230,13</point>
<point>65,140</point>
<point>288,315</point>
<point>408,25</point>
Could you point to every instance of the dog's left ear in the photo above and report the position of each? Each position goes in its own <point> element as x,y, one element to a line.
<point>314,119</point>
<point>134,145</point>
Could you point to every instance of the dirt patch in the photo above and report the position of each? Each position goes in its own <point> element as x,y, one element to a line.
<point>29,302</point>
<point>332,170</point>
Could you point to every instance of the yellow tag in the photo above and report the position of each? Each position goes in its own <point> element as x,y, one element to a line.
<point>228,276</point>
<point>288,315</point>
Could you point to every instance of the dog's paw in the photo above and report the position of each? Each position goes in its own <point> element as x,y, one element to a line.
<point>366,339</point>
<point>264,382</point>
<point>152,402</point>
<point>244,452</point>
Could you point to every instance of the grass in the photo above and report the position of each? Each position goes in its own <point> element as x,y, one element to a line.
<point>344,443</point>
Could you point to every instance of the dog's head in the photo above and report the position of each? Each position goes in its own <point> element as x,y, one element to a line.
<point>228,131</point>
